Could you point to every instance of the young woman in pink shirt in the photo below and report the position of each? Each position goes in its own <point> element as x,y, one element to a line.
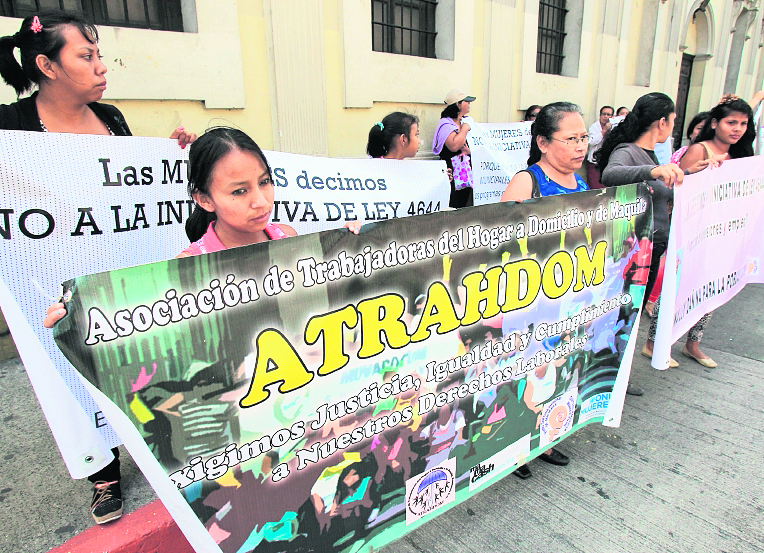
<point>230,181</point>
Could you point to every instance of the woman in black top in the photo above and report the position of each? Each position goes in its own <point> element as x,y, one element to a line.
<point>60,57</point>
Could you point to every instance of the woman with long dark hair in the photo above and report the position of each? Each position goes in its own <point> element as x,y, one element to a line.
<point>728,131</point>
<point>627,156</point>
<point>693,130</point>
<point>60,59</point>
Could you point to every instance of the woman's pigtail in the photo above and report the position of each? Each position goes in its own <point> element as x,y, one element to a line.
<point>377,145</point>
<point>626,131</point>
<point>647,110</point>
<point>535,152</point>
<point>197,223</point>
<point>10,70</point>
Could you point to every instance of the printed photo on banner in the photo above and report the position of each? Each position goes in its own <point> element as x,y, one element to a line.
<point>330,389</point>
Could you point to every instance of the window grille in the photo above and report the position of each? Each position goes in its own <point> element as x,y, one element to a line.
<point>551,36</point>
<point>161,15</point>
<point>404,27</point>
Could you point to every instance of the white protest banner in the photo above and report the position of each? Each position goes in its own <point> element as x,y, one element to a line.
<point>315,193</point>
<point>715,244</point>
<point>498,151</point>
<point>614,121</point>
<point>76,204</point>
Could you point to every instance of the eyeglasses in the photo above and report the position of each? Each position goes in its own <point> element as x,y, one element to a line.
<point>573,141</point>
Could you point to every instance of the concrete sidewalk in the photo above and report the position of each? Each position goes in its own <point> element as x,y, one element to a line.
<point>682,474</point>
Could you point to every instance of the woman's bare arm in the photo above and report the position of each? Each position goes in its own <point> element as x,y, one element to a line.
<point>520,188</point>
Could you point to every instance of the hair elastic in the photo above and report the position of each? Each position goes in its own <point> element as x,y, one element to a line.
<point>36,26</point>
<point>45,294</point>
<point>381,126</point>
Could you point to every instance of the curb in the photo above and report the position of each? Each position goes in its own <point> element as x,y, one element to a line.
<point>150,529</point>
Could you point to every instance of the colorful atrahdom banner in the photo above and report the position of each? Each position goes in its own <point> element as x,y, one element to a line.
<point>330,392</point>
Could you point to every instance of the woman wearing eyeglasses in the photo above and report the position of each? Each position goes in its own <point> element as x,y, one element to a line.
<point>559,141</point>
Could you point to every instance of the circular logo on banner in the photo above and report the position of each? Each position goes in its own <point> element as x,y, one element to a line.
<point>752,267</point>
<point>430,491</point>
<point>558,416</point>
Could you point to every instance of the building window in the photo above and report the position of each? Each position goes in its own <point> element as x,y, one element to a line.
<point>551,36</point>
<point>161,15</point>
<point>404,27</point>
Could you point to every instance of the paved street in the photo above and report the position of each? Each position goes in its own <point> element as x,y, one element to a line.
<point>682,474</point>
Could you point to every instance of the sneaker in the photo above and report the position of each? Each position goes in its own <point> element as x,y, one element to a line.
<point>107,501</point>
<point>634,390</point>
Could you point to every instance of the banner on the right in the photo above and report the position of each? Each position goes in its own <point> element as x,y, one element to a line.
<point>715,246</point>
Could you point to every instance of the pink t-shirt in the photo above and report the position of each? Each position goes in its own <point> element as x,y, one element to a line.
<point>211,243</point>
<point>677,156</point>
